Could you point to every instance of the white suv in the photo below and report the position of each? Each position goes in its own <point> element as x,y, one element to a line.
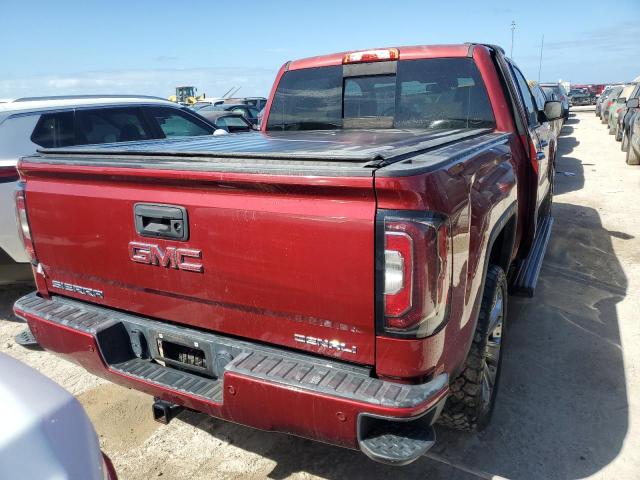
<point>28,124</point>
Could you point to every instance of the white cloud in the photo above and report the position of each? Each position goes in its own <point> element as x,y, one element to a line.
<point>159,82</point>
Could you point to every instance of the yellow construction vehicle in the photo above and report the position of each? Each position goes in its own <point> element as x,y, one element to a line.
<point>186,95</point>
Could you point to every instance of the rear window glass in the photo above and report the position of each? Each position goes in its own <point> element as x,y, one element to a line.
<point>54,130</point>
<point>423,94</point>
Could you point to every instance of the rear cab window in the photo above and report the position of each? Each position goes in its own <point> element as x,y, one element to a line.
<point>420,94</point>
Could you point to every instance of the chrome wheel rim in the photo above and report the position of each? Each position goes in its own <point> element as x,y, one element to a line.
<point>492,351</point>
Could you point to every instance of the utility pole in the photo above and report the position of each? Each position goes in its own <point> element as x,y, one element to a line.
<point>540,67</point>
<point>513,29</point>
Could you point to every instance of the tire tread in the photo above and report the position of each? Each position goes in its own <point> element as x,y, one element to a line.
<point>462,409</point>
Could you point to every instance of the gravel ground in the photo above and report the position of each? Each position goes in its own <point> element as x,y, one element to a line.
<point>568,408</point>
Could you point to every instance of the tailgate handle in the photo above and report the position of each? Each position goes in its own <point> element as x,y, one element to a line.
<point>161,221</point>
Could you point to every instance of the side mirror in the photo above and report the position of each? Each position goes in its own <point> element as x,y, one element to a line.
<point>633,102</point>
<point>553,110</point>
<point>220,132</point>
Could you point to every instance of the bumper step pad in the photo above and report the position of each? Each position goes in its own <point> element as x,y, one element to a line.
<point>27,340</point>
<point>171,378</point>
<point>398,443</point>
<point>323,377</point>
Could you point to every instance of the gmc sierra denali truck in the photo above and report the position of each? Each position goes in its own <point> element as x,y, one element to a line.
<point>341,275</point>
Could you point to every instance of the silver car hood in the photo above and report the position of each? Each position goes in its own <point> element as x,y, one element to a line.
<point>45,432</point>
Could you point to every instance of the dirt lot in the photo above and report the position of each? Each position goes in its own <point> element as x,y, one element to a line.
<point>569,406</point>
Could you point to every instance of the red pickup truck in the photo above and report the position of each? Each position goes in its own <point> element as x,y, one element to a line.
<point>341,275</point>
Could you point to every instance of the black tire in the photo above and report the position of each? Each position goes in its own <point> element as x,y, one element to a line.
<point>632,157</point>
<point>624,146</point>
<point>473,393</point>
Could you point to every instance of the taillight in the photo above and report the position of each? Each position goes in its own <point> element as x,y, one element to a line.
<point>8,173</point>
<point>414,273</point>
<point>23,222</point>
<point>378,55</point>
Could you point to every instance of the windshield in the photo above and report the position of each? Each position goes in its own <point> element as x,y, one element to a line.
<point>422,94</point>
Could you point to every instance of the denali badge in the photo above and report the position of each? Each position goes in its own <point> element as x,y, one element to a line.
<point>89,292</point>
<point>323,342</point>
<point>171,257</point>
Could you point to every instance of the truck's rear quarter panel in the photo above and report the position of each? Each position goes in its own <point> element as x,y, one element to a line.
<point>474,184</point>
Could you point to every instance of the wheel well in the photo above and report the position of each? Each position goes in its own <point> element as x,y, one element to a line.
<point>502,247</point>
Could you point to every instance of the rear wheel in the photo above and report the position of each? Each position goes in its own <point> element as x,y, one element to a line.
<point>473,392</point>
<point>624,146</point>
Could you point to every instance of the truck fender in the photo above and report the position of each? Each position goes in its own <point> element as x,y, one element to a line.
<point>508,217</point>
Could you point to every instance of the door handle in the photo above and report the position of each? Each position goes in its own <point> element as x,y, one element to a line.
<point>161,221</point>
<point>540,156</point>
<point>544,143</point>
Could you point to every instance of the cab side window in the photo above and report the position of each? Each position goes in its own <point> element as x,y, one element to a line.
<point>54,130</point>
<point>525,93</point>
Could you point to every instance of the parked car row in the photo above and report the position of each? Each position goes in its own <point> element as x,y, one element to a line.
<point>27,124</point>
<point>618,108</point>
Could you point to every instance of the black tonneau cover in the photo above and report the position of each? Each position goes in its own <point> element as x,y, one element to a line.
<point>351,152</point>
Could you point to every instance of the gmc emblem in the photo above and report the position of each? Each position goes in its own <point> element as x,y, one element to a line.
<point>171,257</point>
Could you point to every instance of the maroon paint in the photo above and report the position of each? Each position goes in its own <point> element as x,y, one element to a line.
<point>247,401</point>
<point>298,232</point>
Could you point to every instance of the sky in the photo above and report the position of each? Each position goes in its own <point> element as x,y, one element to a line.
<point>148,47</point>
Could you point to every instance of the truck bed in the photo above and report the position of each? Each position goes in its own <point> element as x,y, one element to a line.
<point>342,152</point>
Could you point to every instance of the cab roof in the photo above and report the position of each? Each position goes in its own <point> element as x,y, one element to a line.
<point>406,53</point>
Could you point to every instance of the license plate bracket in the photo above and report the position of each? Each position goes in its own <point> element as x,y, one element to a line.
<point>174,352</point>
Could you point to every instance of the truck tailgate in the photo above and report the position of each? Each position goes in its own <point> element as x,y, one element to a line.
<point>287,260</point>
